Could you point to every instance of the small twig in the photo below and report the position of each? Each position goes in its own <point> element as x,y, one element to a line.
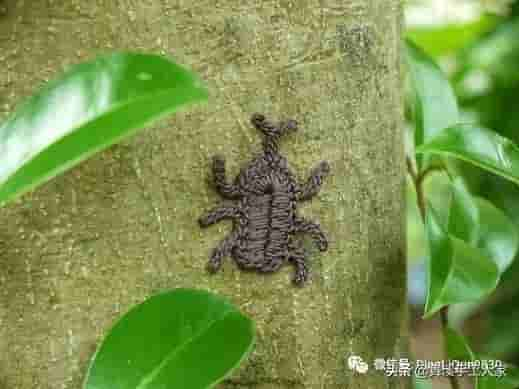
<point>421,177</point>
<point>417,181</point>
<point>410,168</point>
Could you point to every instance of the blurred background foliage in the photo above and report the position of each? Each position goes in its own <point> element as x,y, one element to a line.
<point>477,45</point>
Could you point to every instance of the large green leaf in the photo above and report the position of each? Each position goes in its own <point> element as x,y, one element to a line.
<point>471,219</point>
<point>185,338</point>
<point>476,222</point>
<point>479,146</point>
<point>458,272</point>
<point>90,107</point>
<point>480,224</point>
<point>435,104</point>
<point>484,226</point>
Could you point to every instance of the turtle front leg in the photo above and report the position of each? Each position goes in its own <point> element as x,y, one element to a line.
<point>228,191</point>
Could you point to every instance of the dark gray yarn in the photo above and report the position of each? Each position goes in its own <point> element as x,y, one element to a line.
<point>264,217</point>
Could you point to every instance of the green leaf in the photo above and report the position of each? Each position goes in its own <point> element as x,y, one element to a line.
<point>497,53</point>
<point>456,346</point>
<point>480,224</point>
<point>463,213</point>
<point>185,338</point>
<point>498,236</point>
<point>479,146</point>
<point>493,233</point>
<point>440,260</point>
<point>89,108</point>
<point>458,272</point>
<point>450,38</point>
<point>435,103</point>
<point>438,192</point>
<point>458,349</point>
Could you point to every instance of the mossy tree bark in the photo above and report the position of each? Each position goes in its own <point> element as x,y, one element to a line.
<point>80,251</point>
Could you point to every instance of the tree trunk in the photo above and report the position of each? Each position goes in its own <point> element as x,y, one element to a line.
<point>80,251</point>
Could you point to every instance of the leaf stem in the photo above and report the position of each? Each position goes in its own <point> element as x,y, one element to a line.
<point>418,180</point>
